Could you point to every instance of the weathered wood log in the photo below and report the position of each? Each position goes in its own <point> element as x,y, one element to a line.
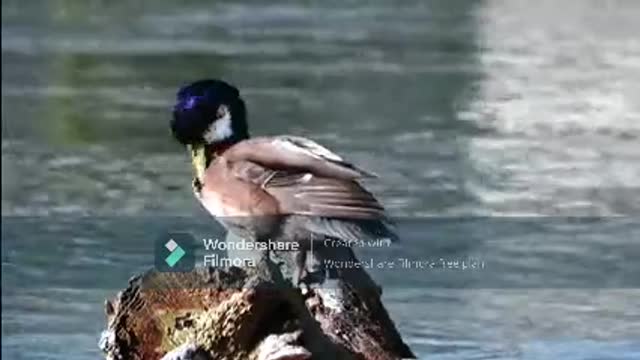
<point>252,313</point>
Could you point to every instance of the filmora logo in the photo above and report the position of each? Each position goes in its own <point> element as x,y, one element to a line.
<point>175,252</point>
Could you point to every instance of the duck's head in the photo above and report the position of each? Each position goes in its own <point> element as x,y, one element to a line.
<point>208,117</point>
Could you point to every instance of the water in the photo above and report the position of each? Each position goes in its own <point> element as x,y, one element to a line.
<point>468,110</point>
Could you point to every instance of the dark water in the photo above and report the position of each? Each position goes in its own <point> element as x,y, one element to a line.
<point>507,119</point>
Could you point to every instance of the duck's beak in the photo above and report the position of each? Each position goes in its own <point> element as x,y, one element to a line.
<point>198,161</point>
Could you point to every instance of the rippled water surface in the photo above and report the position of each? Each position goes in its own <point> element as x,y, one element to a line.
<point>485,110</point>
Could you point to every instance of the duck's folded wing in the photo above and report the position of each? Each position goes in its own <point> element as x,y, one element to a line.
<point>307,179</point>
<point>305,193</point>
<point>298,154</point>
<point>308,194</point>
<point>333,207</point>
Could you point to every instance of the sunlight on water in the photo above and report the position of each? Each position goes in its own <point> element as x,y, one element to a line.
<point>562,101</point>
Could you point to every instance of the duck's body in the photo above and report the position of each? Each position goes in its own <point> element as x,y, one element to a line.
<point>285,175</point>
<point>281,188</point>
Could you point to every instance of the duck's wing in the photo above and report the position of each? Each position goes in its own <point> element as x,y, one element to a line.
<point>309,194</point>
<point>297,154</point>
<point>337,208</point>
<point>340,208</point>
<point>305,178</point>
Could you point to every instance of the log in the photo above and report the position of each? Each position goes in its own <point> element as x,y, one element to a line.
<point>251,313</point>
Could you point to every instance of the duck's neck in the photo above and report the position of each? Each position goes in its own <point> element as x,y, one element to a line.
<point>211,152</point>
<point>214,150</point>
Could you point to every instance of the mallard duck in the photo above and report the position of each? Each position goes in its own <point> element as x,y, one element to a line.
<point>284,188</point>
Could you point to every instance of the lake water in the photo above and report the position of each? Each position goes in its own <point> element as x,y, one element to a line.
<point>505,131</point>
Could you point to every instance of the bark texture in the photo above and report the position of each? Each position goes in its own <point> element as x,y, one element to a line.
<point>250,313</point>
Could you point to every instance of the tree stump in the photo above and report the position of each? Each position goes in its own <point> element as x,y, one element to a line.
<point>252,313</point>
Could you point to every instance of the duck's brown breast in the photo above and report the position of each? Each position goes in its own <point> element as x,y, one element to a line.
<point>224,194</point>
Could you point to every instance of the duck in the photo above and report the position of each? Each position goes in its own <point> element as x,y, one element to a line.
<point>284,188</point>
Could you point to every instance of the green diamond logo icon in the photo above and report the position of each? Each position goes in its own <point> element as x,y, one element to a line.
<point>176,254</point>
